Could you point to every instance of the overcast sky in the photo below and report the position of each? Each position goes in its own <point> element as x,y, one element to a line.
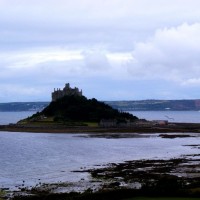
<point>111,49</point>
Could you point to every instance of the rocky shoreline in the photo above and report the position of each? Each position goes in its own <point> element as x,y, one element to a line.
<point>173,177</point>
<point>177,177</point>
<point>60,128</point>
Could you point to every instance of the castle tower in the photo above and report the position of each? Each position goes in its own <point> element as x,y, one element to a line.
<point>67,91</point>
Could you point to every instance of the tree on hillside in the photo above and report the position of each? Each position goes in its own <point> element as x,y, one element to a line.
<point>79,108</point>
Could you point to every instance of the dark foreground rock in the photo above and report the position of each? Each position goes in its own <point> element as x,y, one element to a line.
<point>117,194</point>
<point>175,136</point>
<point>174,177</point>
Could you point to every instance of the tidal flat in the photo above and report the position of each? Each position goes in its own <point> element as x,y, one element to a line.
<point>44,163</point>
<point>151,178</point>
<point>62,128</point>
<point>120,166</point>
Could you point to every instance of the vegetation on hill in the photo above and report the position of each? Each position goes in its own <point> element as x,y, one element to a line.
<point>79,108</point>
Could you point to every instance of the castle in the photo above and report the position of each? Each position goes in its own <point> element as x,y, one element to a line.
<point>67,91</point>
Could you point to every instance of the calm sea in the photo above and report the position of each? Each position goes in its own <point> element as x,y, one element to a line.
<point>13,117</point>
<point>171,116</point>
<point>43,157</point>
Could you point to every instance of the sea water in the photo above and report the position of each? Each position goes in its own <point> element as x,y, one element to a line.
<point>171,116</point>
<point>43,157</point>
<point>13,117</point>
<point>30,158</point>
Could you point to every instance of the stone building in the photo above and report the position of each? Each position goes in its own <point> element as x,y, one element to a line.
<point>108,123</point>
<point>66,91</point>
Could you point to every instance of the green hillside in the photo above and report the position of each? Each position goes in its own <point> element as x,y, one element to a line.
<point>79,108</point>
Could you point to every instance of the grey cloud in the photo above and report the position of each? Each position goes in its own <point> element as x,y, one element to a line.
<point>163,48</point>
<point>96,61</point>
<point>76,23</point>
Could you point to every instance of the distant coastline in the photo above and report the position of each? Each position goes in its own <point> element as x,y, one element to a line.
<point>139,105</point>
<point>22,106</point>
<point>157,105</point>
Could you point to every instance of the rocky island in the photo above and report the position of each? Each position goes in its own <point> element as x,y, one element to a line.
<point>71,112</point>
<point>69,106</point>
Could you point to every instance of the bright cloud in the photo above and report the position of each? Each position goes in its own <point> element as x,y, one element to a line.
<point>171,54</point>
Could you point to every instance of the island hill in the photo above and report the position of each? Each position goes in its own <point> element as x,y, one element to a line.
<point>70,107</point>
<point>71,112</point>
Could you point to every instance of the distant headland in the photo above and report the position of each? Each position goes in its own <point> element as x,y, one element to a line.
<point>126,105</point>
